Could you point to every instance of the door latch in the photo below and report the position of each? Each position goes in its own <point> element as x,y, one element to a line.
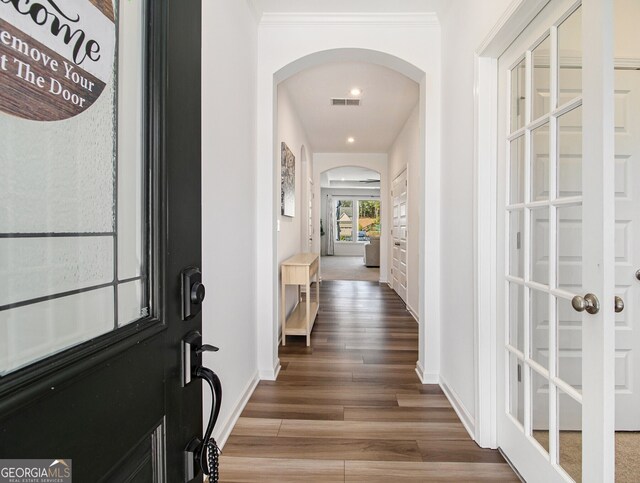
<point>192,349</point>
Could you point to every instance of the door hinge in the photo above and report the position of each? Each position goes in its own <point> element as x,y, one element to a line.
<point>518,241</point>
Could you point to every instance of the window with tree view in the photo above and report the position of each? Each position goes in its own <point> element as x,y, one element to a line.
<point>357,220</point>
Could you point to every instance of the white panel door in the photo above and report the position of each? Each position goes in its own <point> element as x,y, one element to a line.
<point>399,235</point>
<point>556,329</point>
<point>627,188</point>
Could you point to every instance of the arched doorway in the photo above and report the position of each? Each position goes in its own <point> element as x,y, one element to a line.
<point>271,73</point>
<point>351,218</point>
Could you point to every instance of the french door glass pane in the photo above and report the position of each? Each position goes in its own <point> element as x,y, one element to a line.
<point>570,57</point>
<point>73,245</point>
<point>516,316</point>
<point>518,96</point>
<point>570,435</point>
<point>516,388</point>
<point>540,409</point>
<point>569,251</point>
<point>570,153</point>
<point>540,163</point>
<point>517,171</point>
<point>516,250</point>
<point>539,323</point>
<point>569,341</point>
<point>541,79</point>
<point>540,245</point>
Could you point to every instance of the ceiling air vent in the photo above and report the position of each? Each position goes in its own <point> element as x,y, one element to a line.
<point>345,102</point>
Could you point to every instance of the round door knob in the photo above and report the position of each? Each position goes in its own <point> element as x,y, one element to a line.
<point>589,302</point>
<point>619,304</point>
<point>197,293</point>
<point>638,274</point>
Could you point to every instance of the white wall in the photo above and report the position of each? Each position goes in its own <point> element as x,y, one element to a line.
<point>343,249</point>
<point>291,132</point>
<point>229,199</point>
<point>405,153</point>
<point>377,162</point>
<point>627,34</point>
<point>464,27</point>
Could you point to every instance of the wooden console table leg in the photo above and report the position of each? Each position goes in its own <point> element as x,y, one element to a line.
<point>308,302</point>
<point>283,299</point>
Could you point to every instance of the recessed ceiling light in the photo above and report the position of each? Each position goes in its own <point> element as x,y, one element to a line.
<point>341,179</point>
<point>351,140</point>
<point>356,92</point>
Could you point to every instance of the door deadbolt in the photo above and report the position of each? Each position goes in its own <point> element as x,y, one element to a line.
<point>193,292</point>
<point>588,303</point>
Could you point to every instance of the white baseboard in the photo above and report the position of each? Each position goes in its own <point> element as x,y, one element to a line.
<point>237,411</point>
<point>270,374</point>
<point>467,420</point>
<point>413,313</point>
<point>426,377</point>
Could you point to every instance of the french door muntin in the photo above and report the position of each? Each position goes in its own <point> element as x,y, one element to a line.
<point>558,244</point>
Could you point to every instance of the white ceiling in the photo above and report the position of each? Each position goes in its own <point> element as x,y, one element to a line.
<point>387,100</point>
<point>337,6</point>
<point>350,177</point>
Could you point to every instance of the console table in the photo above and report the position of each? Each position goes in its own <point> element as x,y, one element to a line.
<point>299,270</point>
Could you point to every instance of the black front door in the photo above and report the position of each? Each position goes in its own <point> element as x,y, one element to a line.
<point>99,217</point>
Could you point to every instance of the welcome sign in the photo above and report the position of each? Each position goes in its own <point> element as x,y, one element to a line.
<point>56,56</point>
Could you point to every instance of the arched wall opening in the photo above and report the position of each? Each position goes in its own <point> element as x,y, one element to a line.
<point>279,65</point>
<point>374,163</point>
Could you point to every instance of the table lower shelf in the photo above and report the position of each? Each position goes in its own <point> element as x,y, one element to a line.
<point>297,322</point>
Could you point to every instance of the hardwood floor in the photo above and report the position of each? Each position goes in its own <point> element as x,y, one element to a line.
<point>351,408</point>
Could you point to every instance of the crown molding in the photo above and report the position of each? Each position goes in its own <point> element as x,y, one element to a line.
<point>419,20</point>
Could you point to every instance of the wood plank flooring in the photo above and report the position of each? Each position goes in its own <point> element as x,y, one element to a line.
<point>351,408</point>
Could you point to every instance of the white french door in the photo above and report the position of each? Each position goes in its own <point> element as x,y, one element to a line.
<point>556,222</point>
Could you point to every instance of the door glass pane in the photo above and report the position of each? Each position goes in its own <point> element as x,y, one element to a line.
<point>570,57</point>
<point>570,153</point>
<point>516,388</point>
<point>518,99</point>
<point>516,316</point>
<point>540,245</point>
<point>517,171</point>
<point>569,340</point>
<point>541,79</point>
<point>32,331</point>
<point>72,208</point>
<point>539,308</point>
<point>540,409</point>
<point>540,163</point>
<point>570,435</point>
<point>569,250</point>
<point>516,238</point>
